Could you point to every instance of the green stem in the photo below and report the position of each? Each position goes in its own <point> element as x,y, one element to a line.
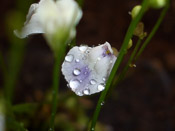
<point>122,52</point>
<point>124,71</point>
<point>155,28</point>
<point>14,65</point>
<point>3,66</point>
<point>56,80</point>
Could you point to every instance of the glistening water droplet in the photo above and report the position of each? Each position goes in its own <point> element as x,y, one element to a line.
<point>74,84</point>
<point>101,87</point>
<point>84,58</point>
<point>76,71</point>
<point>98,58</point>
<point>93,82</point>
<point>77,60</point>
<point>102,103</point>
<point>83,48</point>
<point>86,91</point>
<point>87,51</point>
<point>69,58</point>
<point>79,93</point>
<point>104,79</point>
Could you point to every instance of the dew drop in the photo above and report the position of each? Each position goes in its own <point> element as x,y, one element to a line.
<point>83,48</point>
<point>86,91</point>
<point>111,61</point>
<point>93,82</point>
<point>102,103</point>
<point>77,60</point>
<point>69,58</point>
<point>104,79</point>
<point>87,51</point>
<point>101,87</point>
<point>84,58</point>
<point>79,93</point>
<point>98,58</point>
<point>68,85</point>
<point>85,72</point>
<point>74,84</point>
<point>76,71</point>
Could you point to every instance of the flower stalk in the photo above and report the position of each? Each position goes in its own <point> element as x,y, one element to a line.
<point>155,28</point>
<point>122,51</point>
<point>59,55</point>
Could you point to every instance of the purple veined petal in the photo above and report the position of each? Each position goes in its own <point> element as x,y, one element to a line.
<point>86,68</point>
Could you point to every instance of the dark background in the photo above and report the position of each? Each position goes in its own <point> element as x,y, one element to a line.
<point>145,100</point>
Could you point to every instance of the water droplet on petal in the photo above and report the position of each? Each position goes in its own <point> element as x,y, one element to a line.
<point>111,61</point>
<point>84,58</point>
<point>83,48</point>
<point>74,84</point>
<point>132,65</point>
<point>93,82</point>
<point>101,87</point>
<point>86,91</point>
<point>85,72</point>
<point>79,93</point>
<point>76,71</point>
<point>87,51</point>
<point>104,79</point>
<point>77,60</point>
<point>98,58</point>
<point>69,58</point>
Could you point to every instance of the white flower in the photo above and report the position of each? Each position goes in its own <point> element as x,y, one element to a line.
<point>87,68</point>
<point>50,17</point>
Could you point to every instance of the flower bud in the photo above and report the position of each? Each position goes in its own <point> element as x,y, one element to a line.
<point>130,44</point>
<point>157,3</point>
<point>139,30</point>
<point>55,19</point>
<point>135,11</point>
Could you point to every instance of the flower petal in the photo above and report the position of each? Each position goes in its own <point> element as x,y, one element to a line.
<point>32,24</point>
<point>86,68</point>
<point>49,16</point>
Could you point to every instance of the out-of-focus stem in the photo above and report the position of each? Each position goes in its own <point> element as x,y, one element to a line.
<point>56,79</point>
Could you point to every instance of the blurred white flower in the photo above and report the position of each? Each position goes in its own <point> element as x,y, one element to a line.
<point>86,69</point>
<point>52,17</point>
<point>2,122</point>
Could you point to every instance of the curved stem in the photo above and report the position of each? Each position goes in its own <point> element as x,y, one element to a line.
<point>123,49</point>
